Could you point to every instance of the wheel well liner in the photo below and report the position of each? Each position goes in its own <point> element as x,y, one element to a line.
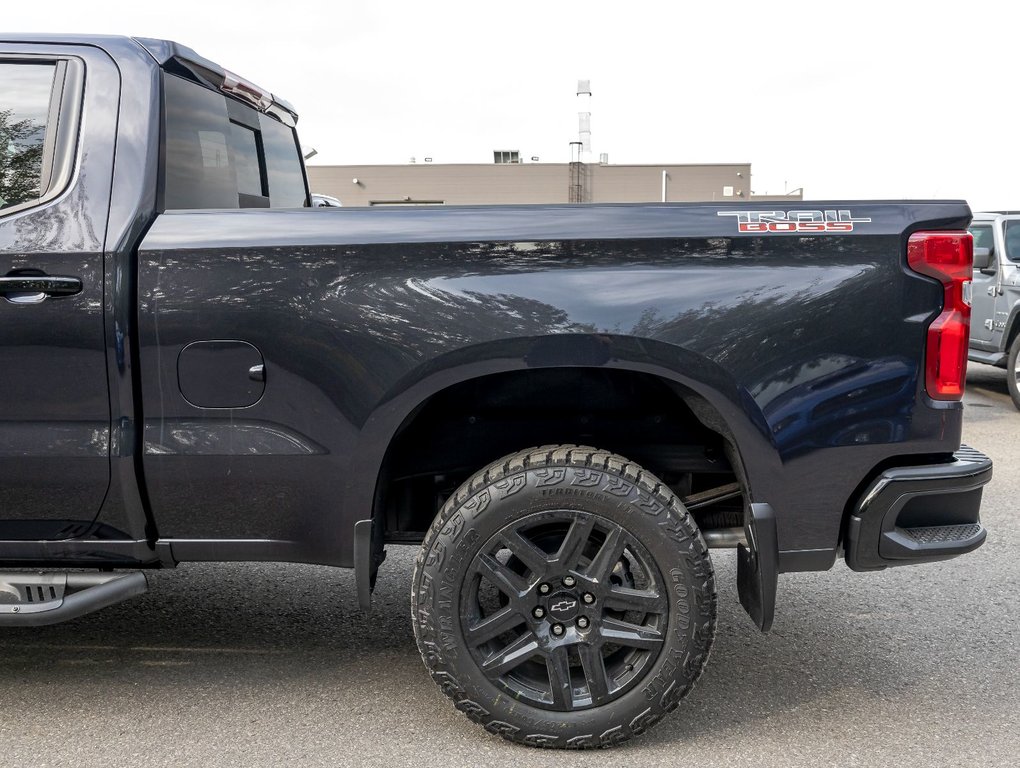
<point>657,422</point>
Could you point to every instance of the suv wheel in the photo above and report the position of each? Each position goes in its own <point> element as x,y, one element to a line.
<point>1013,371</point>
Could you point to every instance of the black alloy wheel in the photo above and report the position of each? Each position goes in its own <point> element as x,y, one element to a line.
<point>563,610</point>
<point>564,597</point>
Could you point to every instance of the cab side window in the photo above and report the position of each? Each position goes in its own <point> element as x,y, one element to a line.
<point>26,96</point>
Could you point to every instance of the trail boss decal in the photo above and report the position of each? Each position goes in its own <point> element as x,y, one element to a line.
<point>795,221</point>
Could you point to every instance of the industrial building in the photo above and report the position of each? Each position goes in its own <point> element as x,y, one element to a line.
<point>508,180</point>
<point>515,182</point>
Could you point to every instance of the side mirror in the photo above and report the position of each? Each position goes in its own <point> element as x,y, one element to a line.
<point>983,260</point>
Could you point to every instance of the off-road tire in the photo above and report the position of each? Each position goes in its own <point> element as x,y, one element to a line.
<point>588,484</point>
<point>1012,361</point>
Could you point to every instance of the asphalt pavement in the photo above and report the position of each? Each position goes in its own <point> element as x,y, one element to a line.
<point>273,665</point>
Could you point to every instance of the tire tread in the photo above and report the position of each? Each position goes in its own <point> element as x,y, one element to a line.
<point>575,456</point>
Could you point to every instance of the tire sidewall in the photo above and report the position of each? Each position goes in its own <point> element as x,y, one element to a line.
<point>652,515</point>
<point>1011,382</point>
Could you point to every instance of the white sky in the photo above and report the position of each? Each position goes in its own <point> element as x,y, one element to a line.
<point>846,99</point>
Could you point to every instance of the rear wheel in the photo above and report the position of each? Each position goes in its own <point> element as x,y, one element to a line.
<point>1013,371</point>
<point>564,598</point>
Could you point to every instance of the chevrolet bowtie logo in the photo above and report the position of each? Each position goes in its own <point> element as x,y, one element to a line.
<point>562,605</point>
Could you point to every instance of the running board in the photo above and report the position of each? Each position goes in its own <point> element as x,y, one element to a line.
<point>34,599</point>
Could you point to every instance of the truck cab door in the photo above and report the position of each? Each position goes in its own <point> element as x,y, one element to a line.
<point>983,334</point>
<point>54,403</point>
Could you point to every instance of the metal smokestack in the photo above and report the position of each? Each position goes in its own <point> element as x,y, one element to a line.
<point>584,119</point>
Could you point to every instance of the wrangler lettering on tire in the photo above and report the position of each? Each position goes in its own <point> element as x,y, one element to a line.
<point>564,597</point>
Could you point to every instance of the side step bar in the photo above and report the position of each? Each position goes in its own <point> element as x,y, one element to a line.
<point>30,599</point>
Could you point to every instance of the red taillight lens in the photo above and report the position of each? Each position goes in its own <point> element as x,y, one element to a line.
<point>949,258</point>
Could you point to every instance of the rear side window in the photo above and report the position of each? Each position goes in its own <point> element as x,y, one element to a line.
<point>220,153</point>
<point>26,94</point>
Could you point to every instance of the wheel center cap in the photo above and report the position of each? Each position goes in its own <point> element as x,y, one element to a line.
<point>564,606</point>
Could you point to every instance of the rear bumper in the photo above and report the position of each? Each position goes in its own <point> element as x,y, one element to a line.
<point>919,514</point>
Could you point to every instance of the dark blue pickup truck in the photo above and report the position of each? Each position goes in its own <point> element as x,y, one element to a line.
<point>567,407</point>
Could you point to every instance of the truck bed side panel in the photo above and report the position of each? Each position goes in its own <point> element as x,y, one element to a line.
<point>810,347</point>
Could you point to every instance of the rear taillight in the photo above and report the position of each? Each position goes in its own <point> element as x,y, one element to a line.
<point>949,258</point>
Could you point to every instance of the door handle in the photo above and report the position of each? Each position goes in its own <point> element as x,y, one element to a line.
<point>34,288</point>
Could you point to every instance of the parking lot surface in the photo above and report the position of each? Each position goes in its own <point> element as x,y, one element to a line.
<point>271,665</point>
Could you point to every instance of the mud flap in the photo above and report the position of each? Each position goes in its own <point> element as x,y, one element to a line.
<point>364,573</point>
<point>758,565</point>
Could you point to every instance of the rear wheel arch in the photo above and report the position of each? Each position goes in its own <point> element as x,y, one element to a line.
<point>422,404</point>
<point>1012,327</point>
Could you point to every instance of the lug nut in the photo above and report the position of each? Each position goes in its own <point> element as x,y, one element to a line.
<point>582,622</point>
<point>557,629</point>
<point>543,589</point>
<point>569,581</point>
<point>588,598</point>
<point>539,612</point>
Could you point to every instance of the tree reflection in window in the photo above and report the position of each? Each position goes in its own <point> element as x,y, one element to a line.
<point>21,153</point>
